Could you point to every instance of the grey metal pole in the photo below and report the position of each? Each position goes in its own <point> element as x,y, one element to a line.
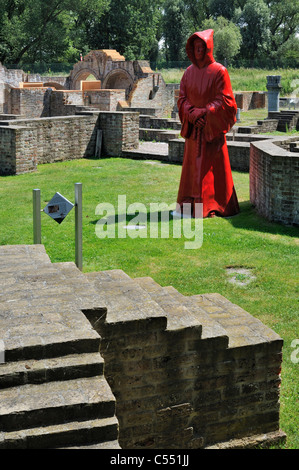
<point>37,231</point>
<point>78,226</point>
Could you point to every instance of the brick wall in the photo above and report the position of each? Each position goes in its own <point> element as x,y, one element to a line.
<point>104,100</point>
<point>120,131</point>
<point>238,153</point>
<point>18,150</point>
<point>24,143</point>
<point>28,102</point>
<point>142,95</point>
<point>180,388</point>
<point>251,100</point>
<point>274,173</point>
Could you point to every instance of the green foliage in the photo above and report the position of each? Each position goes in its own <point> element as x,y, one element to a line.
<point>227,38</point>
<point>254,22</point>
<point>35,31</point>
<point>131,27</point>
<point>221,8</point>
<point>175,30</point>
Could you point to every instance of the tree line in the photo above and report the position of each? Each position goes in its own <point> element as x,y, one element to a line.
<point>247,32</point>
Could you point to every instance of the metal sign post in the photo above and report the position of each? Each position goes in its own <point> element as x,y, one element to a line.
<point>37,232</point>
<point>58,208</point>
<point>78,225</point>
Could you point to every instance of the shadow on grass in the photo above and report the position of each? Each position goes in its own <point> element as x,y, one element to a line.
<point>249,219</point>
<point>157,216</point>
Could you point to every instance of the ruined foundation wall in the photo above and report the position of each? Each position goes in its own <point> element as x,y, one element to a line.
<point>251,100</point>
<point>238,153</point>
<point>24,143</point>
<point>144,96</point>
<point>175,389</point>
<point>274,174</point>
<point>120,132</point>
<point>18,150</point>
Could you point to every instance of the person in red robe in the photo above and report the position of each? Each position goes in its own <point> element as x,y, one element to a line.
<point>207,110</point>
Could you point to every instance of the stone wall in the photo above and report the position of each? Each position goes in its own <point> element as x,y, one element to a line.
<point>28,102</point>
<point>104,100</point>
<point>144,95</point>
<point>251,100</point>
<point>18,150</point>
<point>238,153</point>
<point>64,102</point>
<point>11,76</point>
<point>274,173</point>
<point>189,387</point>
<point>120,132</point>
<point>24,143</point>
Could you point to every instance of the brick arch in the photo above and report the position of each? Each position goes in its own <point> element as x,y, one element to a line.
<point>118,79</point>
<point>53,84</point>
<point>82,74</point>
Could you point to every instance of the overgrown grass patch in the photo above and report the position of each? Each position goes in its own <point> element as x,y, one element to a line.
<point>247,79</point>
<point>268,250</point>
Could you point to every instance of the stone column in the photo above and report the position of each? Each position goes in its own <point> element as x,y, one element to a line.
<point>273,87</point>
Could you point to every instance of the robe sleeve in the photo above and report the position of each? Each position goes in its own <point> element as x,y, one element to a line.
<point>221,110</point>
<point>188,113</point>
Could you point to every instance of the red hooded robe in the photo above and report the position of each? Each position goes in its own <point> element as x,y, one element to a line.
<point>205,91</point>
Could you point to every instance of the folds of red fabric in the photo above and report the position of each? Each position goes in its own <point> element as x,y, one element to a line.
<point>206,172</point>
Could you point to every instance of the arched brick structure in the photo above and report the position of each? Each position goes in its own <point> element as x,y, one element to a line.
<point>97,63</point>
<point>81,74</point>
<point>53,84</point>
<point>119,79</point>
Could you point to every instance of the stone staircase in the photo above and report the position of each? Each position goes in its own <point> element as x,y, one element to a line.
<point>52,389</point>
<point>209,320</point>
<point>87,357</point>
<point>294,146</point>
<point>152,128</point>
<point>287,120</point>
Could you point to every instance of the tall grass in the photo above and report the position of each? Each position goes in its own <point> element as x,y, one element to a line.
<point>243,79</point>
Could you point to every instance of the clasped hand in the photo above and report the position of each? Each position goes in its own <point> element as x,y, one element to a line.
<point>200,122</point>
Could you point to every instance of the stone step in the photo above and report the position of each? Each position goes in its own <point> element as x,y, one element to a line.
<point>125,301</point>
<point>149,151</point>
<point>241,328</point>
<point>95,433</point>
<point>13,374</point>
<point>51,345</point>
<point>159,135</point>
<point>54,403</point>
<point>152,122</point>
<point>102,445</point>
<point>182,312</point>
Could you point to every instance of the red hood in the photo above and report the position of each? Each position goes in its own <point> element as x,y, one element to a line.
<point>207,37</point>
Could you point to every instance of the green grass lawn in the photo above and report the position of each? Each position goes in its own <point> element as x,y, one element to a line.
<point>247,79</point>
<point>247,240</point>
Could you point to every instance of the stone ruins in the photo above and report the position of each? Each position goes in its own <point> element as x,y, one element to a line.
<point>128,105</point>
<point>101,360</point>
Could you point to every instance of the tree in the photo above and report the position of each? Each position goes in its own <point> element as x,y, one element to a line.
<point>36,30</point>
<point>254,22</point>
<point>284,22</point>
<point>222,8</point>
<point>130,26</point>
<point>175,30</point>
<point>227,38</point>
<point>196,12</point>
